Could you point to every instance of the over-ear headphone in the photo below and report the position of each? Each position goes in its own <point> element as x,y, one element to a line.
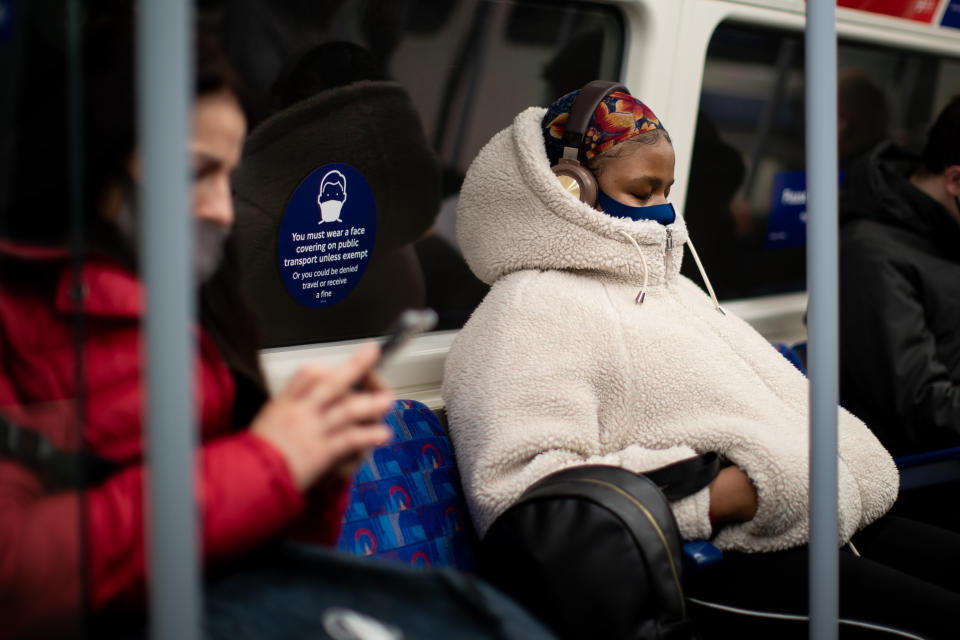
<point>575,177</point>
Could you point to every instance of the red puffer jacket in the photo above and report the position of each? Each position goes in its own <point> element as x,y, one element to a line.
<point>52,545</point>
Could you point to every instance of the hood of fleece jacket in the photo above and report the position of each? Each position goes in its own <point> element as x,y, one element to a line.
<point>514,215</point>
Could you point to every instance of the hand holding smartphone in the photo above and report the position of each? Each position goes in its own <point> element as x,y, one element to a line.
<point>410,323</point>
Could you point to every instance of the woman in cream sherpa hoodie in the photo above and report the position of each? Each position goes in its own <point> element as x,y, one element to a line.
<point>561,366</point>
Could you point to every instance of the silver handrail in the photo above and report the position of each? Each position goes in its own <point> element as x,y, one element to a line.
<point>822,318</point>
<point>165,92</point>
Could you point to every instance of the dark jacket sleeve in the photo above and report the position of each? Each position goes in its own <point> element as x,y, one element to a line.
<point>891,373</point>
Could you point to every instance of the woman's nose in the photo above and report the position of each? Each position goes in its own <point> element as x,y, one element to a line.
<point>657,198</point>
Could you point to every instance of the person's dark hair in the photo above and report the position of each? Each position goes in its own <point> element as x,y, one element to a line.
<point>225,313</point>
<point>215,72</point>
<point>40,181</point>
<point>943,140</point>
<point>39,209</point>
<point>863,115</point>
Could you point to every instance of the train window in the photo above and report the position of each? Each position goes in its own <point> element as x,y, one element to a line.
<point>366,117</point>
<point>746,198</point>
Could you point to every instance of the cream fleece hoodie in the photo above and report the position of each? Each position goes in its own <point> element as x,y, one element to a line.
<point>559,366</point>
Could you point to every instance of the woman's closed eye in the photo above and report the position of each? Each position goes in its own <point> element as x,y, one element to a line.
<point>207,166</point>
<point>205,169</point>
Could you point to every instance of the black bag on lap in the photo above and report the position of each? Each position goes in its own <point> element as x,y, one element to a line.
<point>595,552</point>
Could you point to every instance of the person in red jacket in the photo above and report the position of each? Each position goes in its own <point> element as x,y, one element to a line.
<point>71,543</point>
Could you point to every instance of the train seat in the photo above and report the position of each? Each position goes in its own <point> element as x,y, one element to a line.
<point>407,505</point>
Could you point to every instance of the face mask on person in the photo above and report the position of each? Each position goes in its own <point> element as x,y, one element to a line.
<point>662,213</point>
<point>209,239</point>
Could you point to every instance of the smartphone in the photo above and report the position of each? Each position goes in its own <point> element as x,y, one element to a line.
<point>410,323</point>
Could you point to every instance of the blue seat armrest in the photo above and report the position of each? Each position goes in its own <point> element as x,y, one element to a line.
<point>929,468</point>
<point>927,457</point>
<point>698,555</point>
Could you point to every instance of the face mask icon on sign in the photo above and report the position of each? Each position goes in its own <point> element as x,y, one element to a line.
<point>333,193</point>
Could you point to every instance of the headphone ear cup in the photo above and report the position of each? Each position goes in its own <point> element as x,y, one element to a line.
<point>577,180</point>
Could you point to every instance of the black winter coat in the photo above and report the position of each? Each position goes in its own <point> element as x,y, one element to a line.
<point>900,306</point>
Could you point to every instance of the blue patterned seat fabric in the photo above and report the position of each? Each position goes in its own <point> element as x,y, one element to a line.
<point>406,503</point>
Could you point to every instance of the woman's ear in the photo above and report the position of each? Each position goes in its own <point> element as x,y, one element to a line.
<point>119,188</point>
<point>110,200</point>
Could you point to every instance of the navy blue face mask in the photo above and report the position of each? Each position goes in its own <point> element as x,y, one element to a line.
<point>662,213</point>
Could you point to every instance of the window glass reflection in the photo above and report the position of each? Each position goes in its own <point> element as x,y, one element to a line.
<point>746,202</point>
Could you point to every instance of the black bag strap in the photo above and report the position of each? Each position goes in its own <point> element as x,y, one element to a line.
<point>677,480</point>
<point>686,477</point>
<point>59,470</point>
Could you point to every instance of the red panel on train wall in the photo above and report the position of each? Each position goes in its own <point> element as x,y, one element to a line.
<point>919,10</point>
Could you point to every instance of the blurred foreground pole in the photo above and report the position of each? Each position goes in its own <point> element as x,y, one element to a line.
<point>165,97</point>
<point>822,319</point>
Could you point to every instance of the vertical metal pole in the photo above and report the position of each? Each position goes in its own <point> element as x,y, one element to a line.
<point>75,149</point>
<point>165,95</point>
<point>822,322</point>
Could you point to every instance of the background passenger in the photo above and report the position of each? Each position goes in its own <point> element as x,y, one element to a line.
<point>252,482</point>
<point>900,290</point>
<point>566,364</point>
<point>862,117</point>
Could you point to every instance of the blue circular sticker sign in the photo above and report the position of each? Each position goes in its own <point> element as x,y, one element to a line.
<point>326,235</point>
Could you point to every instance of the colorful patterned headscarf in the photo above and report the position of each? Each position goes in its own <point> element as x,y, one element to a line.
<point>618,117</point>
